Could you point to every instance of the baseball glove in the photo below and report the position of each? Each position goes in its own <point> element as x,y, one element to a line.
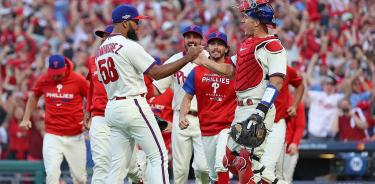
<point>250,132</point>
<point>161,122</point>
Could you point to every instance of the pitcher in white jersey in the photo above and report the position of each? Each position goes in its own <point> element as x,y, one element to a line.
<point>187,141</point>
<point>121,63</point>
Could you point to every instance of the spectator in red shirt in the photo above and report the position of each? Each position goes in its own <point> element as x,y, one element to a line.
<point>18,138</point>
<point>350,124</point>
<point>63,91</point>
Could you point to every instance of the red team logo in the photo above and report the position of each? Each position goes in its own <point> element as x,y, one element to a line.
<point>55,63</point>
<point>181,78</point>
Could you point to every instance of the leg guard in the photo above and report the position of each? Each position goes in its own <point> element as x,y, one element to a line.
<point>229,161</point>
<point>243,165</point>
<point>223,178</point>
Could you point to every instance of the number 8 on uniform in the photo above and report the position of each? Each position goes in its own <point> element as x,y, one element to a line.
<point>107,70</point>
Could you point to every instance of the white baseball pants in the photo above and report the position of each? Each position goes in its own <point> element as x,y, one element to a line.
<point>100,139</point>
<point>184,142</point>
<point>214,148</point>
<point>73,148</point>
<point>274,146</point>
<point>132,120</point>
<point>286,166</point>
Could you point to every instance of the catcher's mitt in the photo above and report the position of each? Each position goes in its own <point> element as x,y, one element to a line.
<point>161,122</point>
<point>250,132</point>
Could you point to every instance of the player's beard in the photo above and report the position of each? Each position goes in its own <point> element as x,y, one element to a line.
<point>132,34</point>
<point>217,55</point>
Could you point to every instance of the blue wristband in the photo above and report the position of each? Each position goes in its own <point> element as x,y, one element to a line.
<point>269,95</point>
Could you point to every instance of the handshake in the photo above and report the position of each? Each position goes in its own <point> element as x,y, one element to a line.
<point>196,54</point>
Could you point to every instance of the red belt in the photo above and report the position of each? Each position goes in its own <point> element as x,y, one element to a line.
<point>124,97</point>
<point>246,102</point>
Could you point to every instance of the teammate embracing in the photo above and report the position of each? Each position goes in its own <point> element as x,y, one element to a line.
<point>100,138</point>
<point>216,100</point>
<point>259,71</point>
<point>121,64</point>
<point>189,140</point>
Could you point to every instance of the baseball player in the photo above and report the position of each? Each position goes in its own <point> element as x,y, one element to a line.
<point>275,141</point>
<point>121,63</point>
<point>161,106</point>
<point>215,94</point>
<point>295,127</point>
<point>100,138</point>
<point>185,141</point>
<point>259,69</point>
<point>63,91</point>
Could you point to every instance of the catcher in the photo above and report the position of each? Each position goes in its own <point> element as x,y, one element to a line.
<point>259,69</point>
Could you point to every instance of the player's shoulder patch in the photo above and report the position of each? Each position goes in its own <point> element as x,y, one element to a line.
<point>274,46</point>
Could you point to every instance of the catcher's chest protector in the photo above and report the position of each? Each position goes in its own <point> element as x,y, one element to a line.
<point>249,71</point>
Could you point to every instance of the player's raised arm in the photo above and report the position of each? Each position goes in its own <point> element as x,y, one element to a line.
<point>224,69</point>
<point>159,72</point>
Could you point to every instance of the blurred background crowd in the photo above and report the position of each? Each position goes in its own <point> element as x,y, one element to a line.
<point>330,42</point>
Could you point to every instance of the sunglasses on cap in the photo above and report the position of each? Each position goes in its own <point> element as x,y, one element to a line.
<point>133,20</point>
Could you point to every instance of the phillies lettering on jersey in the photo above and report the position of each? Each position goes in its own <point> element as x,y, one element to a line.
<point>215,79</point>
<point>215,94</point>
<point>121,63</point>
<point>64,102</point>
<point>64,97</point>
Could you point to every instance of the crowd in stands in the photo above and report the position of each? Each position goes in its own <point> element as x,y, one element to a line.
<point>330,42</point>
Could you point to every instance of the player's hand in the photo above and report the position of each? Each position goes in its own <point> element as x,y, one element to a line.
<point>200,59</point>
<point>25,124</point>
<point>292,111</point>
<point>184,123</point>
<point>193,52</point>
<point>293,149</point>
<point>169,128</point>
<point>87,120</point>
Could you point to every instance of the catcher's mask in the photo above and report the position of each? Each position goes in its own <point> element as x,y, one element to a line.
<point>258,9</point>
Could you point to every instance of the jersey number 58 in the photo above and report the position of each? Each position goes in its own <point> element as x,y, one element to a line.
<point>107,70</point>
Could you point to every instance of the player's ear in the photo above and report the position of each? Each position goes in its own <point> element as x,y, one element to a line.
<point>125,25</point>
